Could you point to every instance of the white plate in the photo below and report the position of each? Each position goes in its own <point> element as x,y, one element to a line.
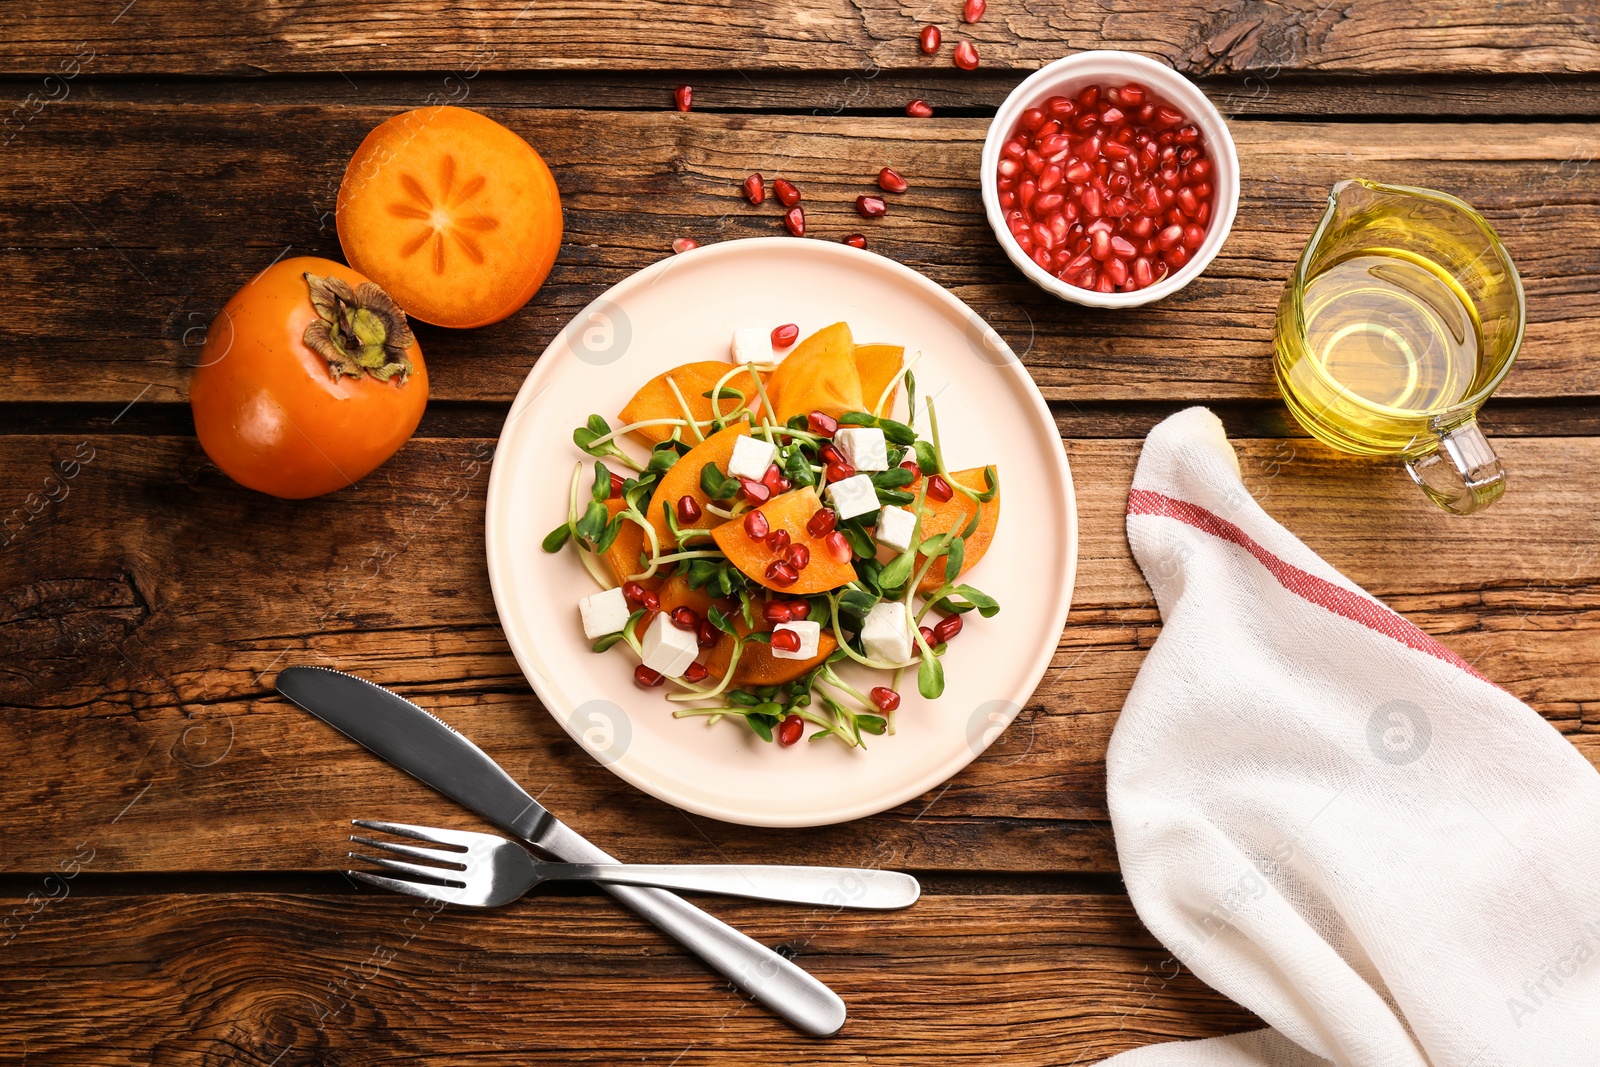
<point>686,308</point>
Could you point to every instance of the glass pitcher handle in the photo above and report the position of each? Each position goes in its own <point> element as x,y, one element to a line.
<point>1462,474</point>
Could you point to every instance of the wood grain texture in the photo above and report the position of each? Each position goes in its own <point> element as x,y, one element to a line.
<point>364,979</point>
<point>1359,37</point>
<point>125,228</point>
<point>145,612</point>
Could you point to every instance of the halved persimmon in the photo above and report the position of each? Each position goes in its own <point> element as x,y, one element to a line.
<point>876,366</point>
<point>657,400</point>
<point>683,479</point>
<point>819,375</point>
<point>954,514</point>
<point>454,215</point>
<point>789,513</point>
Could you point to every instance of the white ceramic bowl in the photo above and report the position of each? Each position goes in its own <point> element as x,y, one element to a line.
<point>1066,77</point>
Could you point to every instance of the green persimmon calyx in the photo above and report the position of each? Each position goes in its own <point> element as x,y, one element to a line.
<point>358,331</point>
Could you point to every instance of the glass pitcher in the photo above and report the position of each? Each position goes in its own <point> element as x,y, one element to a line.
<point>1404,313</point>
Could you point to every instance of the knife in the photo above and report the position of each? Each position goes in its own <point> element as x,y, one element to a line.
<point>432,751</point>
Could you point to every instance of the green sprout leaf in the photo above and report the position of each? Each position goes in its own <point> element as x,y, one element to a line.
<point>953,557</point>
<point>930,676</point>
<point>555,539</point>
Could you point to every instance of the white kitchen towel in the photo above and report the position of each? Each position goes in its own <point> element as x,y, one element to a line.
<point>1333,819</point>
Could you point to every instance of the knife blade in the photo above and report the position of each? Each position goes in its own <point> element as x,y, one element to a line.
<point>430,750</point>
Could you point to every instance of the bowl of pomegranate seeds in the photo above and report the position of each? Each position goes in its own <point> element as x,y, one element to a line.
<point>1109,179</point>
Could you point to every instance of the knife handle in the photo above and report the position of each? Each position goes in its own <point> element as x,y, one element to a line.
<point>781,985</point>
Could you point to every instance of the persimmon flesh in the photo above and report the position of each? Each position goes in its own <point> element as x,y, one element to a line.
<point>788,512</point>
<point>656,400</point>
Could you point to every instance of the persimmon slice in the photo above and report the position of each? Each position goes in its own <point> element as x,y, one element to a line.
<point>656,399</point>
<point>452,213</point>
<point>819,375</point>
<point>683,479</point>
<point>877,366</point>
<point>788,512</point>
<point>954,514</point>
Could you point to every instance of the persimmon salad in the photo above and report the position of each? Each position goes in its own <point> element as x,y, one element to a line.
<point>781,525</point>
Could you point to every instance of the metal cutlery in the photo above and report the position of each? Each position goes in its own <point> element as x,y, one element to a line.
<point>416,742</point>
<point>486,871</point>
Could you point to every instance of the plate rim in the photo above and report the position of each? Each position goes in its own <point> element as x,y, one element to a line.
<point>532,386</point>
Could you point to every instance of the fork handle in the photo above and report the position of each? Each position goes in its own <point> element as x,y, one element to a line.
<point>831,887</point>
<point>788,991</point>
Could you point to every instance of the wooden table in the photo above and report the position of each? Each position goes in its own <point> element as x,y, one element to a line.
<point>171,831</point>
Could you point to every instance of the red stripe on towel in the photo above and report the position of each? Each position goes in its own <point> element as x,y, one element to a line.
<point>1353,606</point>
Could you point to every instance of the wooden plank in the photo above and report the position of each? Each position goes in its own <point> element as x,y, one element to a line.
<point>297,980</point>
<point>125,229</point>
<point>1362,37</point>
<point>146,610</point>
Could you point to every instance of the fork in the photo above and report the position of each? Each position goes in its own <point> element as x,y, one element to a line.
<point>486,871</point>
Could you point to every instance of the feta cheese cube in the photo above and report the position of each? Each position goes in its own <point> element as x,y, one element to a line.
<point>668,649</point>
<point>809,633</point>
<point>853,496</point>
<point>604,613</point>
<point>863,446</point>
<point>751,457</point>
<point>895,527</point>
<point>751,344</point>
<point>886,632</point>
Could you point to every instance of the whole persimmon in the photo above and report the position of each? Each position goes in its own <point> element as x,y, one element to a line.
<point>452,213</point>
<point>308,380</point>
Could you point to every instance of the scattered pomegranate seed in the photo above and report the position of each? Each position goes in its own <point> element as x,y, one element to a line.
<point>799,557</point>
<point>683,96</point>
<point>790,729</point>
<point>886,699</point>
<point>778,541</point>
<point>633,591</point>
<point>829,453</point>
<point>754,492</point>
<point>785,335</point>
<point>684,244</point>
<point>838,472</point>
<point>787,640</point>
<point>794,220</point>
<point>778,611</point>
<point>973,10</point>
<point>801,609</point>
<point>650,601</point>
<point>965,56</point>
<point>838,546</point>
<point>822,424</point>
<point>773,479</point>
<point>855,240</point>
<point>871,207</point>
<point>686,618</point>
<point>784,485</point>
<point>928,40</point>
<point>695,672</point>
<point>755,190</point>
<point>780,573</point>
<point>707,635</point>
<point>822,523</point>
<point>688,509</point>
<point>911,465</point>
<point>755,526</point>
<point>939,489</point>
<point>787,192</point>
<point>948,627</point>
<point>647,677</point>
<point>919,109</point>
<point>890,181</point>
<point>616,485</point>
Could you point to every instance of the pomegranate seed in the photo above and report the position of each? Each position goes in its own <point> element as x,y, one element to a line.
<point>684,244</point>
<point>838,546</point>
<point>948,627</point>
<point>784,336</point>
<point>685,618</point>
<point>787,192</point>
<point>755,190</point>
<point>650,601</point>
<point>886,699</point>
<point>695,672</point>
<point>830,453</point>
<point>755,492</point>
<point>707,635</point>
<point>794,220</point>
<point>822,424</point>
<point>838,472</point>
<point>784,485</point>
<point>966,56</point>
<point>871,207</point>
<point>855,240</point>
<point>911,465</point>
<point>780,573</point>
<point>773,479</point>
<point>755,526</point>
<point>973,10</point>
<point>633,592</point>
<point>647,677</point>
<point>1169,237</point>
<point>1133,94</point>
<point>790,729</point>
<point>891,182</point>
<point>683,97</point>
<point>928,40</point>
<point>798,557</point>
<point>939,489</point>
<point>919,109</point>
<point>786,640</point>
<point>688,509</point>
<point>616,485</point>
<point>778,541</point>
<point>777,611</point>
<point>927,636</point>
<point>800,609</point>
<point>822,522</point>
